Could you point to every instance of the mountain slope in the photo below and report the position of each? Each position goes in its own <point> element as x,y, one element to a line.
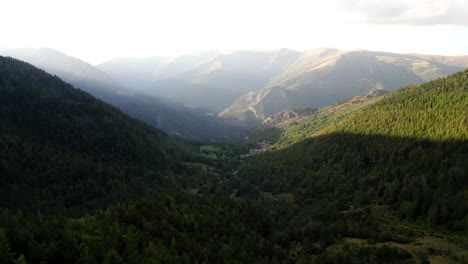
<point>191,79</point>
<point>182,120</point>
<point>67,149</point>
<point>435,111</point>
<point>132,73</point>
<point>284,133</point>
<point>399,163</point>
<point>242,71</point>
<point>403,156</point>
<point>140,73</point>
<point>325,76</point>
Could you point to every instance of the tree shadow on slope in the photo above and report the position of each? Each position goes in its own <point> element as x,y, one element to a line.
<point>419,178</point>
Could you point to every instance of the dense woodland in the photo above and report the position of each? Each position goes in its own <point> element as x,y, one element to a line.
<point>81,182</point>
<point>68,150</point>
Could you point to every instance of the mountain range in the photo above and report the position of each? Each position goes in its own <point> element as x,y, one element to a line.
<point>322,77</point>
<point>174,118</point>
<point>211,80</point>
<point>184,95</point>
<point>245,87</point>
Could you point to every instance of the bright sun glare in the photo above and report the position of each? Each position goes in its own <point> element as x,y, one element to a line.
<point>99,30</point>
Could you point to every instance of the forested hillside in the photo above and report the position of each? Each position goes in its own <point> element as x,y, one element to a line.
<point>402,156</point>
<point>406,150</point>
<point>160,229</point>
<point>67,150</point>
<point>435,111</point>
<point>376,180</point>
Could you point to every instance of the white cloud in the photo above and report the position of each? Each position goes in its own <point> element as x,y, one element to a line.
<point>410,12</point>
<point>99,30</point>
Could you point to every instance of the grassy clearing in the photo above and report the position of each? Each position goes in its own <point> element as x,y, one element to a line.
<point>439,246</point>
<point>437,249</point>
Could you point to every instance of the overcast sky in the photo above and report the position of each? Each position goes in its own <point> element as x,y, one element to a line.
<point>98,30</point>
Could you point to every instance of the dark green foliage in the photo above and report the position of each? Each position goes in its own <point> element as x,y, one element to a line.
<point>45,108</point>
<point>5,248</point>
<point>436,110</point>
<point>71,152</point>
<point>159,229</point>
<point>77,169</point>
<point>362,170</point>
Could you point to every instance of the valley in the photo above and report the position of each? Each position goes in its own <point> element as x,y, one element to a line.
<point>374,173</point>
<point>234,132</point>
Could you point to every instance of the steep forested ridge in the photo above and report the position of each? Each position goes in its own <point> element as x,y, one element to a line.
<point>404,155</point>
<point>436,110</point>
<point>65,149</point>
<point>381,182</point>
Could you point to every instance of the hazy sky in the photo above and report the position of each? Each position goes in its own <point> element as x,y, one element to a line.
<point>97,30</point>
